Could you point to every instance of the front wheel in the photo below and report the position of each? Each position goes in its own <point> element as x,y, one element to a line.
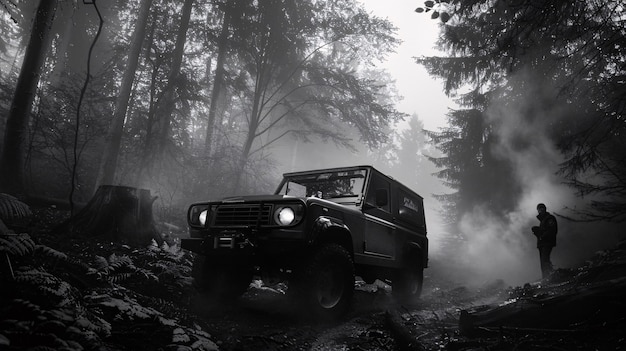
<point>327,284</point>
<point>220,280</point>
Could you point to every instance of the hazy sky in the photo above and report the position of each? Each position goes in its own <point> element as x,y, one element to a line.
<point>422,94</point>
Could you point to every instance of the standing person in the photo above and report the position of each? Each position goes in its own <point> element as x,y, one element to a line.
<point>546,238</point>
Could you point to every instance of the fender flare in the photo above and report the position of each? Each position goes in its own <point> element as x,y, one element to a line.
<point>413,249</point>
<point>326,224</point>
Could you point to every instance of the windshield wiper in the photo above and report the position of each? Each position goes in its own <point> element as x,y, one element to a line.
<point>342,195</point>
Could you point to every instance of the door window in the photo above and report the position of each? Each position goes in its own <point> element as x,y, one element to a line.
<point>377,183</point>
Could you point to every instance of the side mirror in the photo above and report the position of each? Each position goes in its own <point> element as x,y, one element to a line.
<point>382,197</point>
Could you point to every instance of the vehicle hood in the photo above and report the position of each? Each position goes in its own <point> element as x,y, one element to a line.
<point>279,198</point>
<point>254,198</point>
<point>330,204</point>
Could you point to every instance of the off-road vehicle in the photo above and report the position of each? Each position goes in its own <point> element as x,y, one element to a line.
<point>318,230</point>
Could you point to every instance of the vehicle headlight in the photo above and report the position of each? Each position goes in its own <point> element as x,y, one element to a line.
<point>288,215</point>
<point>198,215</point>
<point>202,217</point>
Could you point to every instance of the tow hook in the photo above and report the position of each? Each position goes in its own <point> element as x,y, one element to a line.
<point>247,242</point>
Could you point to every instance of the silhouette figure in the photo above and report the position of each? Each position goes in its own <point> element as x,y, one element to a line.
<point>546,238</point>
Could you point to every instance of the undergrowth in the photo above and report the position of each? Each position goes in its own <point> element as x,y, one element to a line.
<point>74,294</point>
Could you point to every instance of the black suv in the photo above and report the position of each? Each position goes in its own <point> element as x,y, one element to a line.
<point>318,230</point>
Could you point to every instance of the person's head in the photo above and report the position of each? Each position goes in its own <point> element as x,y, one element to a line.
<point>541,208</point>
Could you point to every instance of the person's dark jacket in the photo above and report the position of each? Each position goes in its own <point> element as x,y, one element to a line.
<point>546,231</point>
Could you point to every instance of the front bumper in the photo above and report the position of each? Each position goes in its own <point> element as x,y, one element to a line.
<point>217,245</point>
<point>241,243</point>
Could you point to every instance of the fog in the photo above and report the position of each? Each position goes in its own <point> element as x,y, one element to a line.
<point>495,248</point>
<point>505,248</point>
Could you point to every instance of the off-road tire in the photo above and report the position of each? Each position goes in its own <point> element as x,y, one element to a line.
<point>219,280</point>
<point>327,282</point>
<point>408,282</point>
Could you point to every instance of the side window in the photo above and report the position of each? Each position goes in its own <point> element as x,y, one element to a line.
<point>377,184</point>
<point>410,208</point>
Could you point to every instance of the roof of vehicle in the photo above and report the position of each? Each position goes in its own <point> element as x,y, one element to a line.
<point>335,169</point>
<point>348,168</point>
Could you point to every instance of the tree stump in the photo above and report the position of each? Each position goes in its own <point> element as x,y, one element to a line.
<point>116,213</point>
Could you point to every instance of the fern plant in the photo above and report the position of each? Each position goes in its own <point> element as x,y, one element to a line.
<point>52,254</point>
<point>45,287</point>
<point>16,244</point>
<point>13,211</point>
<point>120,268</point>
<point>12,246</point>
<point>83,294</point>
<point>27,325</point>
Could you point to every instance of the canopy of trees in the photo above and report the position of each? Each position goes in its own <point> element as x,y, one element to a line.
<point>183,97</point>
<point>531,77</point>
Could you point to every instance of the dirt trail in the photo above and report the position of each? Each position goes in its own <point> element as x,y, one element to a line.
<point>265,319</point>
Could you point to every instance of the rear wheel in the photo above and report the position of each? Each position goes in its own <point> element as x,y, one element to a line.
<point>223,281</point>
<point>407,282</point>
<point>327,283</point>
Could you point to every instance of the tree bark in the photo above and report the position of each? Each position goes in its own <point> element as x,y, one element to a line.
<point>156,139</point>
<point>108,164</point>
<point>253,125</point>
<point>116,213</point>
<point>168,103</point>
<point>217,83</point>
<point>16,132</point>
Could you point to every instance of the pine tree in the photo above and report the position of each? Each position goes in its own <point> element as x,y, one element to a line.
<point>556,70</point>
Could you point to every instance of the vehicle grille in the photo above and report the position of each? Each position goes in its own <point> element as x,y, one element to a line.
<point>242,215</point>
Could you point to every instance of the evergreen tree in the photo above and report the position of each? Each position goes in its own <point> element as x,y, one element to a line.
<point>12,158</point>
<point>555,70</point>
<point>108,164</point>
<point>304,66</point>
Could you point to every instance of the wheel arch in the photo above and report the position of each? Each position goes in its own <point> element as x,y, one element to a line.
<point>414,251</point>
<point>332,230</point>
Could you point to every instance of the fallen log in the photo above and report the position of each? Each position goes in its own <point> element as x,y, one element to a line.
<point>404,339</point>
<point>116,213</point>
<point>563,310</point>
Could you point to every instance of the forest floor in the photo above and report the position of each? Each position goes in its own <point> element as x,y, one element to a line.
<point>61,293</point>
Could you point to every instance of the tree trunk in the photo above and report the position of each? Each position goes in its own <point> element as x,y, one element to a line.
<point>168,103</point>
<point>157,140</point>
<point>16,132</point>
<point>116,213</point>
<point>108,164</point>
<point>253,126</point>
<point>156,63</point>
<point>217,83</point>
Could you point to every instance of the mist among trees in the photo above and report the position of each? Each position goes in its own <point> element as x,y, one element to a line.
<point>157,104</point>
<point>542,98</point>
<point>530,77</point>
<point>199,99</point>
<point>187,99</point>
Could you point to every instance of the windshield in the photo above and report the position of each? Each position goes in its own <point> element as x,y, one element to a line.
<point>325,185</point>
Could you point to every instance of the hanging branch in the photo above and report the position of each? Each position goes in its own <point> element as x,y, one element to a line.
<point>80,101</point>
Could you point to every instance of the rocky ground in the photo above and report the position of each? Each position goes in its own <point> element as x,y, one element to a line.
<point>81,294</point>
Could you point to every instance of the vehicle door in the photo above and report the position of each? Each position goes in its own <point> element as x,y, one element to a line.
<point>379,227</point>
<point>409,218</point>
